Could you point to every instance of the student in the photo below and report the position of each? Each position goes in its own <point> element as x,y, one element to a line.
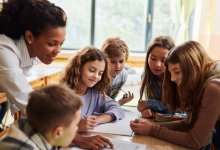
<point>53,114</point>
<point>116,51</point>
<point>87,75</point>
<point>29,30</point>
<point>151,88</point>
<point>191,84</point>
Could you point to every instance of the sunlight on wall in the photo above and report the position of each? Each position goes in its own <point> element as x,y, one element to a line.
<point>208,29</point>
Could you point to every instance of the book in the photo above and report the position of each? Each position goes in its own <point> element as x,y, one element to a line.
<point>169,117</point>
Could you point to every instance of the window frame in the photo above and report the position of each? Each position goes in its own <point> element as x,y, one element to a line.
<point>148,28</point>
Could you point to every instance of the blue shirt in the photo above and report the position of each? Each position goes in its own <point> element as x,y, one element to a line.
<point>96,103</point>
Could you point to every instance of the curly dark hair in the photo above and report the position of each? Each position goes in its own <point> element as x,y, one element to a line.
<point>37,16</point>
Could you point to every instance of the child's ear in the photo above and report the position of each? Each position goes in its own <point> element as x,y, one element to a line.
<point>57,131</point>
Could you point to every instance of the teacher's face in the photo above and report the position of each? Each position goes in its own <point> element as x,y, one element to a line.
<point>47,45</point>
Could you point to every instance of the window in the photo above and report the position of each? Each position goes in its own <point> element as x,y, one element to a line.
<point>122,18</point>
<point>1,2</point>
<point>78,22</point>
<point>91,22</point>
<point>164,18</point>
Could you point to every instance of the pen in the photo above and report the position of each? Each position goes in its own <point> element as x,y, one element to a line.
<point>123,91</point>
<point>84,116</point>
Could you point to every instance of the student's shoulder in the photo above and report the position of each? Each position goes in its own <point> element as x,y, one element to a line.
<point>124,73</point>
<point>16,139</point>
<point>212,91</point>
<point>213,85</point>
<point>10,143</point>
<point>98,96</point>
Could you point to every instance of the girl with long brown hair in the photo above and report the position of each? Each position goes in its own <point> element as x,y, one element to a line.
<point>191,84</point>
<point>151,87</point>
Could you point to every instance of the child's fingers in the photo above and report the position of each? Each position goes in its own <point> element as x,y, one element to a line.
<point>125,95</point>
<point>107,142</point>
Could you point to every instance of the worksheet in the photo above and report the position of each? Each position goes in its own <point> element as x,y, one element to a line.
<point>118,145</point>
<point>119,127</point>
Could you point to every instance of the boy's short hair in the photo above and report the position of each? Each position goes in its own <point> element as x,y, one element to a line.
<point>114,47</point>
<point>52,106</point>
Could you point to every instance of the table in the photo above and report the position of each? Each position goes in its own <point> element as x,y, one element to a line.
<point>151,142</point>
<point>42,75</point>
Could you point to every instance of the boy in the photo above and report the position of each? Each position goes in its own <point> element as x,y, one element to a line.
<point>53,114</point>
<point>116,51</point>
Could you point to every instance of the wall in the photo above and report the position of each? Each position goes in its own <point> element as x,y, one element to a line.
<point>209,26</point>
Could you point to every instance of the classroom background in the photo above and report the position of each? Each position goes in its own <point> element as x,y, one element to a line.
<point>136,22</point>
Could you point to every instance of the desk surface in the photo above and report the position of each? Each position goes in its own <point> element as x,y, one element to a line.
<point>41,71</point>
<point>151,142</point>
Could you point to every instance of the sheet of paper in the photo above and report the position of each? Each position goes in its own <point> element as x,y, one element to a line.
<point>119,127</point>
<point>130,113</point>
<point>119,145</point>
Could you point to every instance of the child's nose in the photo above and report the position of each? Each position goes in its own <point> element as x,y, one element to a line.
<point>173,79</point>
<point>158,63</point>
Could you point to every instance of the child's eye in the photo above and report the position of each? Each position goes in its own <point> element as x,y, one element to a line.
<point>177,72</point>
<point>122,61</point>
<point>92,70</point>
<point>153,59</point>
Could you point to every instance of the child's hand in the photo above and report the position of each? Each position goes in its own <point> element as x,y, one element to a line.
<point>142,127</point>
<point>147,113</point>
<point>142,104</point>
<point>127,97</point>
<point>92,142</point>
<point>86,123</point>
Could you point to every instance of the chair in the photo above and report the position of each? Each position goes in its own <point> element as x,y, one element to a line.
<point>4,112</point>
<point>3,109</point>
